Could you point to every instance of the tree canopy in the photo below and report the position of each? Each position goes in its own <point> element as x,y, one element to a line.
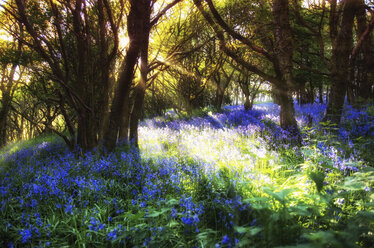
<point>90,70</point>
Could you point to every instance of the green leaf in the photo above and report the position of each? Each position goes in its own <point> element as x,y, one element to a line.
<point>158,213</point>
<point>154,214</point>
<point>247,230</point>
<point>280,195</point>
<point>301,210</point>
<point>258,202</point>
<point>173,223</point>
<point>318,177</point>
<point>353,185</point>
<point>206,233</point>
<point>329,165</point>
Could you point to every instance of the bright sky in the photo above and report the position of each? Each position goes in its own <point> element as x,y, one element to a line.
<point>307,3</point>
<point>124,40</point>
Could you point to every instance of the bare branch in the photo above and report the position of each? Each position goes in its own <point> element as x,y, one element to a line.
<point>163,12</point>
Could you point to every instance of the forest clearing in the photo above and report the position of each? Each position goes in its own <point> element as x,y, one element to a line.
<point>187,123</point>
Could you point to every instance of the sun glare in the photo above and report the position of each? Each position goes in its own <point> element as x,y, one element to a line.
<point>309,3</point>
<point>4,36</point>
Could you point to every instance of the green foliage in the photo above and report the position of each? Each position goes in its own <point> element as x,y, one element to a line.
<point>11,55</point>
<point>318,178</point>
<point>273,194</point>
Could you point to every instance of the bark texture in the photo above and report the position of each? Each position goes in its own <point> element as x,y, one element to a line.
<point>136,24</point>
<point>342,46</point>
<point>139,93</point>
<point>284,51</point>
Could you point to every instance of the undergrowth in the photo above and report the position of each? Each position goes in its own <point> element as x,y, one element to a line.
<point>229,179</point>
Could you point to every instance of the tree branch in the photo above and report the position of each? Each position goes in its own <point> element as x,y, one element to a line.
<point>66,139</point>
<point>163,11</point>
<point>235,34</point>
<point>229,52</point>
<point>369,28</point>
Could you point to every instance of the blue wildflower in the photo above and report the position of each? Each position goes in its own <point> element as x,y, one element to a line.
<point>225,239</point>
<point>26,235</point>
<point>112,235</point>
<point>173,213</point>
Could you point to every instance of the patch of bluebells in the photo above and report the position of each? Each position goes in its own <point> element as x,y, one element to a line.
<point>33,228</point>
<point>96,225</point>
<point>229,209</point>
<point>71,183</point>
<point>357,122</point>
<point>336,158</point>
<point>227,242</point>
<point>48,176</point>
<point>190,213</point>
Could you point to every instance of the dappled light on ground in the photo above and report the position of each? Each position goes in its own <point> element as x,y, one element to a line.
<point>229,179</point>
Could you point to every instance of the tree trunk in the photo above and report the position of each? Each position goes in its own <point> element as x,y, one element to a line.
<point>284,65</point>
<point>137,110</point>
<point>275,95</point>
<point>136,113</point>
<point>124,129</point>
<point>320,93</point>
<point>311,95</point>
<point>248,104</point>
<point>219,98</point>
<point>104,81</point>
<point>287,111</point>
<point>135,28</point>
<point>366,80</point>
<point>340,64</point>
<point>244,86</point>
<point>86,133</point>
<point>121,97</point>
<point>6,101</point>
<point>4,112</point>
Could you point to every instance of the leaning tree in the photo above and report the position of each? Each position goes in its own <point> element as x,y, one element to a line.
<point>270,41</point>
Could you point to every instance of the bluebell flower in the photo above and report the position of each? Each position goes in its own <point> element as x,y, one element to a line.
<point>173,213</point>
<point>101,226</point>
<point>329,191</point>
<point>225,239</point>
<point>26,234</point>
<point>187,220</point>
<point>69,209</point>
<point>112,235</point>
